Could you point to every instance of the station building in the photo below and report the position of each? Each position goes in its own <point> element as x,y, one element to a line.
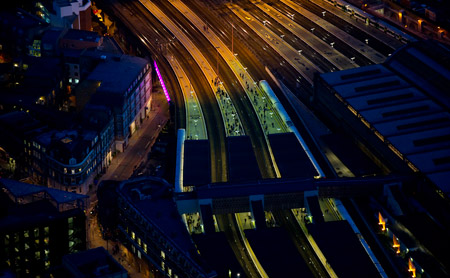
<point>398,113</point>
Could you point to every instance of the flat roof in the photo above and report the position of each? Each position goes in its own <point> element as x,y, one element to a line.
<point>422,141</point>
<point>407,102</point>
<point>413,124</point>
<point>215,249</point>
<point>241,159</point>
<point>94,262</point>
<point>389,98</point>
<point>277,253</point>
<point>197,166</point>
<point>356,74</point>
<point>21,189</point>
<point>82,35</point>
<point>343,250</point>
<point>400,111</point>
<point>370,86</point>
<point>290,157</point>
<point>117,74</point>
<point>265,186</point>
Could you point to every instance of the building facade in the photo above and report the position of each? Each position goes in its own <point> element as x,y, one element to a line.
<point>70,159</point>
<point>38,226</point>
<point>150,226</point>
<point>125,87</point>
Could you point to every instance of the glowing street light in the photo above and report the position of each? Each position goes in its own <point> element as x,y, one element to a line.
<point>381,221</point>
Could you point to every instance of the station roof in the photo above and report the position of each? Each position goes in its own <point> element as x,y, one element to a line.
<point>214,248</point>
<point>258,187</point>
<point>290,157</point>
<point>197,166</point>
<point>277,253</point>
<point>406,101</point>
<point>241,159</point>
<point>343,250</point>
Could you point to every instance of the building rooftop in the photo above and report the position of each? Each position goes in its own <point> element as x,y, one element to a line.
<point>407,102</point>
<point>197,166</point>
<point>95,262</point>
<point>82,35</point>
<point>277,254</point>
<point>20,190</point>
<point>67,144</point>
<point>335,239</point>
<point>117,74</point>
<point>290,157</point>
<point>222,261</point>
<point>242,162</point>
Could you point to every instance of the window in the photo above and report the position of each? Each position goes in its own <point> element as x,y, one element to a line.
<point>36,232</point>
<point>26,233</point>
<point>37,255</point>
<point>133,235</point>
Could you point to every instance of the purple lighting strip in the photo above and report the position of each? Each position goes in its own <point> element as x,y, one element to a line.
<point>162,82</point>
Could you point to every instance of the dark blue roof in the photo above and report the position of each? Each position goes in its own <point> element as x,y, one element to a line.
<point>290,157</point>
<point>343,250</point>
<point>241,159</point>
<point>214,248</point>
<point>277,253</point>
<point>21,189</point>
<point>197,166</point>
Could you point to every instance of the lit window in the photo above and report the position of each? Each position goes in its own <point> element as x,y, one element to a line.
<point>73,171</point>
<point>46,230</point>
<point>145,247</point>
<point>133,235</point>
<point>163,255</point>
<point>76,80</point>
<point>26,234</point>
<point>65,170</point>
<point>37,255</point>
<point>46,240</point>
<point>139,241</point>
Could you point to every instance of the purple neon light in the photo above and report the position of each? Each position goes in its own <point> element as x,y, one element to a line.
<point>162,82</point>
